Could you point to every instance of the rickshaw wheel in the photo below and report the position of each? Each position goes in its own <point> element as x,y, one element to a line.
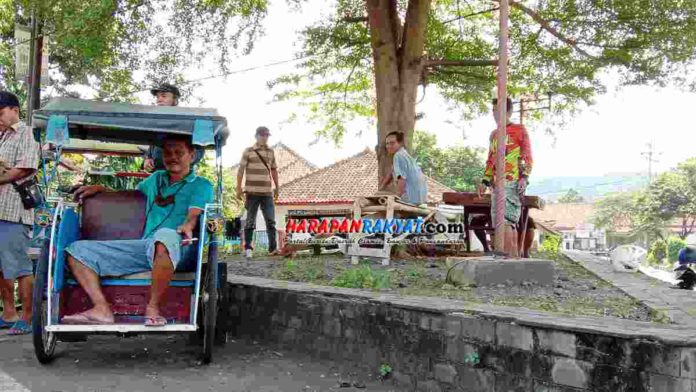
<point>209,298</point>
<point>44,341</point>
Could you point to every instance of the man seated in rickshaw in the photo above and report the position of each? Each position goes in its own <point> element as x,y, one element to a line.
<point>175,199</point>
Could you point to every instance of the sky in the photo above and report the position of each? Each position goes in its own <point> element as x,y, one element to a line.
<point>606,138</point>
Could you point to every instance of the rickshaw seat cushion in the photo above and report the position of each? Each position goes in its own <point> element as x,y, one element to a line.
<point>113,216</point>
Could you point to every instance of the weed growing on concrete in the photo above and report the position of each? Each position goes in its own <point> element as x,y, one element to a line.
<point>363,277</point>
<point>472,359</point>
<point>385,370</point>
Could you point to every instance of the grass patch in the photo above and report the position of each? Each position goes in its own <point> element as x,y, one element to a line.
<point>363,277</point>
<point>310,269</point>
<point>545,303</point>
<point>420,278</point>
<point>622,307</point>
<point>575,271</point>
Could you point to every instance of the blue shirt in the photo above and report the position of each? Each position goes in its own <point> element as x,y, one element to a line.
<point>191,192</point>
<point>405,167</point>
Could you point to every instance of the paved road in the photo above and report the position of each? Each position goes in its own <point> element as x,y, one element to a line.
<point>169,363</point>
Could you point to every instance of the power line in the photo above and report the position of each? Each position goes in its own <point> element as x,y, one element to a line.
<point>238,71</point>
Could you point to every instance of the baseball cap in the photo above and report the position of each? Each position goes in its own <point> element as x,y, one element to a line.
<point>8,99</point>
<point>262,130</point>
<point>166,88</point>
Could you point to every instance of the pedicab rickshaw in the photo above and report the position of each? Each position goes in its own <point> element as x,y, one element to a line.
<point>191,303</point>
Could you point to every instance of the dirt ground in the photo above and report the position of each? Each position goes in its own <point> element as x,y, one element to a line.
<point>575,290</point>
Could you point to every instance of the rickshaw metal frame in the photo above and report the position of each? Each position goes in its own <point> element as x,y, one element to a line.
<point>53,288</point>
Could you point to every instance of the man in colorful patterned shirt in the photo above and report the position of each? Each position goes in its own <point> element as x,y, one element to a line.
<point>518,166</point>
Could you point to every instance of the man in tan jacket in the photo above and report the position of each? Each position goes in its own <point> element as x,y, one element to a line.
<point>259,165</point>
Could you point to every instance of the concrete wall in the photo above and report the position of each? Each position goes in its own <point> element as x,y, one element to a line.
<point>435,344</point>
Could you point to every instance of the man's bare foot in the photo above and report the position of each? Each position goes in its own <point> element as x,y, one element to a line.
<point>10,318</point>
<point>152,311</point>
<point>153,317</point>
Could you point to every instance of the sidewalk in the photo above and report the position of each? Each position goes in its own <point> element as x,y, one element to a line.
<point>679,305</point>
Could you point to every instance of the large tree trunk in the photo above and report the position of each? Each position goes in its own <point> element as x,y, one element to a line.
<point>398,61</point>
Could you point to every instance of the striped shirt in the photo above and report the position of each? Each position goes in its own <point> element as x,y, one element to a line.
<point>258,177</point>
<point>19,150</point>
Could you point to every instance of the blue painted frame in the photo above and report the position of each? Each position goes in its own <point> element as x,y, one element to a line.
<point>135,282</point>
<point>68,232</point>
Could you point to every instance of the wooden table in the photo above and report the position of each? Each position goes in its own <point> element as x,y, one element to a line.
<point>391,208</point>
<point>473,204</point>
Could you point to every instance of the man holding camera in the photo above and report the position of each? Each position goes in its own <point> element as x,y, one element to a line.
<point>19,153</point>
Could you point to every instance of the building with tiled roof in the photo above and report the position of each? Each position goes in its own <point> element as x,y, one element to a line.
<point>574,222</point>
<point>343,182</point>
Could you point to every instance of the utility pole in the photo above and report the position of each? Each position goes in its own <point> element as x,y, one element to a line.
<point>522,110</point>
<point>34,87</point>
<point>649,157</point>
<point>499,188</point>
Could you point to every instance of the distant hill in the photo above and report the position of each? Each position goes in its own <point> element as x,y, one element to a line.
<point>590,188</point>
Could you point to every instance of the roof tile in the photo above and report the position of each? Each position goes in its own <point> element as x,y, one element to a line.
<point>344,181</point>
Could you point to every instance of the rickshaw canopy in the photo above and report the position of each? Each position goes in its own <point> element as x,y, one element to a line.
<point>128,123</point>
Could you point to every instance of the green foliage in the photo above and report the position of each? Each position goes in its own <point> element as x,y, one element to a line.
<point>572,196</point>
<point>104,43</point>
<point>648,42</point>
<point>657,252</point>
<point>385,370</point>
<point>362,277</point>
<point>551,247</point>
<point>616,210</point>
<point>106,163</point>
<point>472,359</point>
<point>671,196</point>
<point>231,206</point>
<point>459,167</point>
<point>674,245</point>
<point>302,270</point>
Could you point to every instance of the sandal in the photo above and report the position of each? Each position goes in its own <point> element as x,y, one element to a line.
<point>20,328</point>
<point>157,321</point>
<point>84,319</point>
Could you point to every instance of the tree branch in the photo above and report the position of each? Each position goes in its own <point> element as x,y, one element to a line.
<point>347,83</point>
<point>354,19</point>
<point>461,63</point>
<point>550,29</point>
<point>470,15</point>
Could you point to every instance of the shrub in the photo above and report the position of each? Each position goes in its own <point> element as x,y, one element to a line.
<point>674,245</point>
<point>551,246</point>
<point>657,252</point>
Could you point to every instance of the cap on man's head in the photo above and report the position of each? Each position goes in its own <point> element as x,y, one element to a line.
<point>166,88</point>
<point>263,131</point>
<point>8,99</point>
